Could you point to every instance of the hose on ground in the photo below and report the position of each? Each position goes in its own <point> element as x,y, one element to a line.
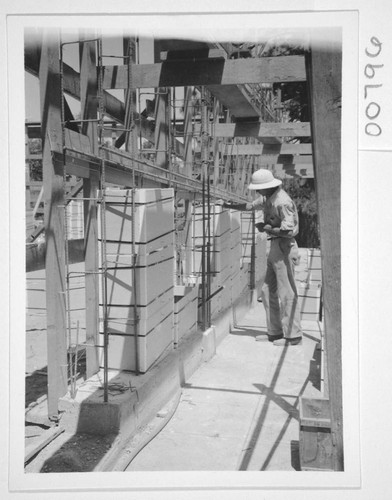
<point>130,454</point>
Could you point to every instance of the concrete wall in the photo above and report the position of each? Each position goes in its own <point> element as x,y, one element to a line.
<point>137,342</point>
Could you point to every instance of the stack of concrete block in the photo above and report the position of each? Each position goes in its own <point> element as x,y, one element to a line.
<point>185,311</point>
<point>198,228</point>
<point>308,278</point>
<point>36,300</point>
<point>222,260</point>
<point>75,222</point>
<point>152,217</point>
<point>239,272</point>
<point>247,230</point>
<point>260,256</point>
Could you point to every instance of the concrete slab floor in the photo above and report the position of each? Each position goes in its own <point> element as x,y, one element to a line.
<point>239,411</point>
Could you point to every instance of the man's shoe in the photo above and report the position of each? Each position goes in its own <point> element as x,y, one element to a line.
<point>287,342</point>
<point>259,299</point>
<point>270,338</point>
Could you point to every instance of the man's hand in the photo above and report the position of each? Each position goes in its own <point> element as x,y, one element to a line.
<point>235,206</point>
<point>273,231</point>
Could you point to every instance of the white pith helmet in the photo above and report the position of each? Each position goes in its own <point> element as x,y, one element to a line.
<point>263,179</point>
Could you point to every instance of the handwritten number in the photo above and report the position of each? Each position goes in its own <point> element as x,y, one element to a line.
<point>376,42</point>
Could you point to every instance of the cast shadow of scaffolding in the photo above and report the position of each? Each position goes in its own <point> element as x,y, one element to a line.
<point>270,396</point>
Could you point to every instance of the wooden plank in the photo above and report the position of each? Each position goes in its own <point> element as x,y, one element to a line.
<point>131,132</point>
<point>324,69</point>
<point>216,71</point>
<point>287,148</point>
<point>200,53</point>
<point>237,150</point>
<point>88,91</point>
<point>291,169</point>
<point>38,444</point>
<point>188,116</point>
<point>54,222</point>
<point>235,99</point>
<point>114,107</point>
<point>256,129</point>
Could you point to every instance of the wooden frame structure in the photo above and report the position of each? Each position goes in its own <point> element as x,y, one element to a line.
<point>220,139</point>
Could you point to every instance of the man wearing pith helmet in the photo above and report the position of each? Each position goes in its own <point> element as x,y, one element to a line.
<point>278,293</point>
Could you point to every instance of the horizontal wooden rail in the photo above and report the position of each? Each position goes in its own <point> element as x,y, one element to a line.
<point>256,129</point>
<point>213,71</point>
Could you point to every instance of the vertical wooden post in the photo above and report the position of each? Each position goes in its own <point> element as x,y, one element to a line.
<point>324,67</point>
<point>49,76</point>
<point>88,101</point>
<point>188,115</point>
<point>161,123</point>
<point>161,130</point>
<point>27,170</point>
<point>131,135</point>
<point>216,143</point>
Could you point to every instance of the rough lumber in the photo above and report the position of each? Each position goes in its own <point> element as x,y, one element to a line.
<point>191,54</point>
<point>290,170</point>
<point>266,150</point>
<point>235,99</point>
<point>88,91</point>
<point>54,224</point>
<point>113,106</point>
<point>215,71</point>
<point>324,67</point>
<point>256,129</point>
<point>36,447</point>
<point>188,116</point>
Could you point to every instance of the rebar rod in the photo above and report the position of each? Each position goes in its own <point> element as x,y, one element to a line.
<point>101,113</point>
<point>133,216</point>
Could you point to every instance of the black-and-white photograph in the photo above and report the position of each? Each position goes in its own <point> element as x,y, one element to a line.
<point>184,251</point>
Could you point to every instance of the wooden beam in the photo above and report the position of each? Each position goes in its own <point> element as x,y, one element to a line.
<point>277,159</point>
<point>257,129</point>
<point>190,54</point>
<point>131,132</point>
<point>162,131</point>
<point>113,106</point>
<point>233,97</point>
<point>290,169</point>
<point>188,115</point>
<point>54,223</point>
<point>208,72</point>
<point>324,67</point>
<point>276,150</point>
<point>88,92</point>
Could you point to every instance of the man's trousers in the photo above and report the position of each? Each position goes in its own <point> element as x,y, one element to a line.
<point>279,292</point>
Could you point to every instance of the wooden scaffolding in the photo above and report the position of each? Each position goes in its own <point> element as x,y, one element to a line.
<point>198,121</point>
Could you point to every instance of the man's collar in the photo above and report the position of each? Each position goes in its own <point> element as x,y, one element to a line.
<point>275,193</point>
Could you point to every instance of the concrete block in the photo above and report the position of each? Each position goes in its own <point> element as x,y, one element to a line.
<point>122,349</point>
<point>149,283</point>
<point>121,319</point>
<point>153,217</point>
<point>185,313</point>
